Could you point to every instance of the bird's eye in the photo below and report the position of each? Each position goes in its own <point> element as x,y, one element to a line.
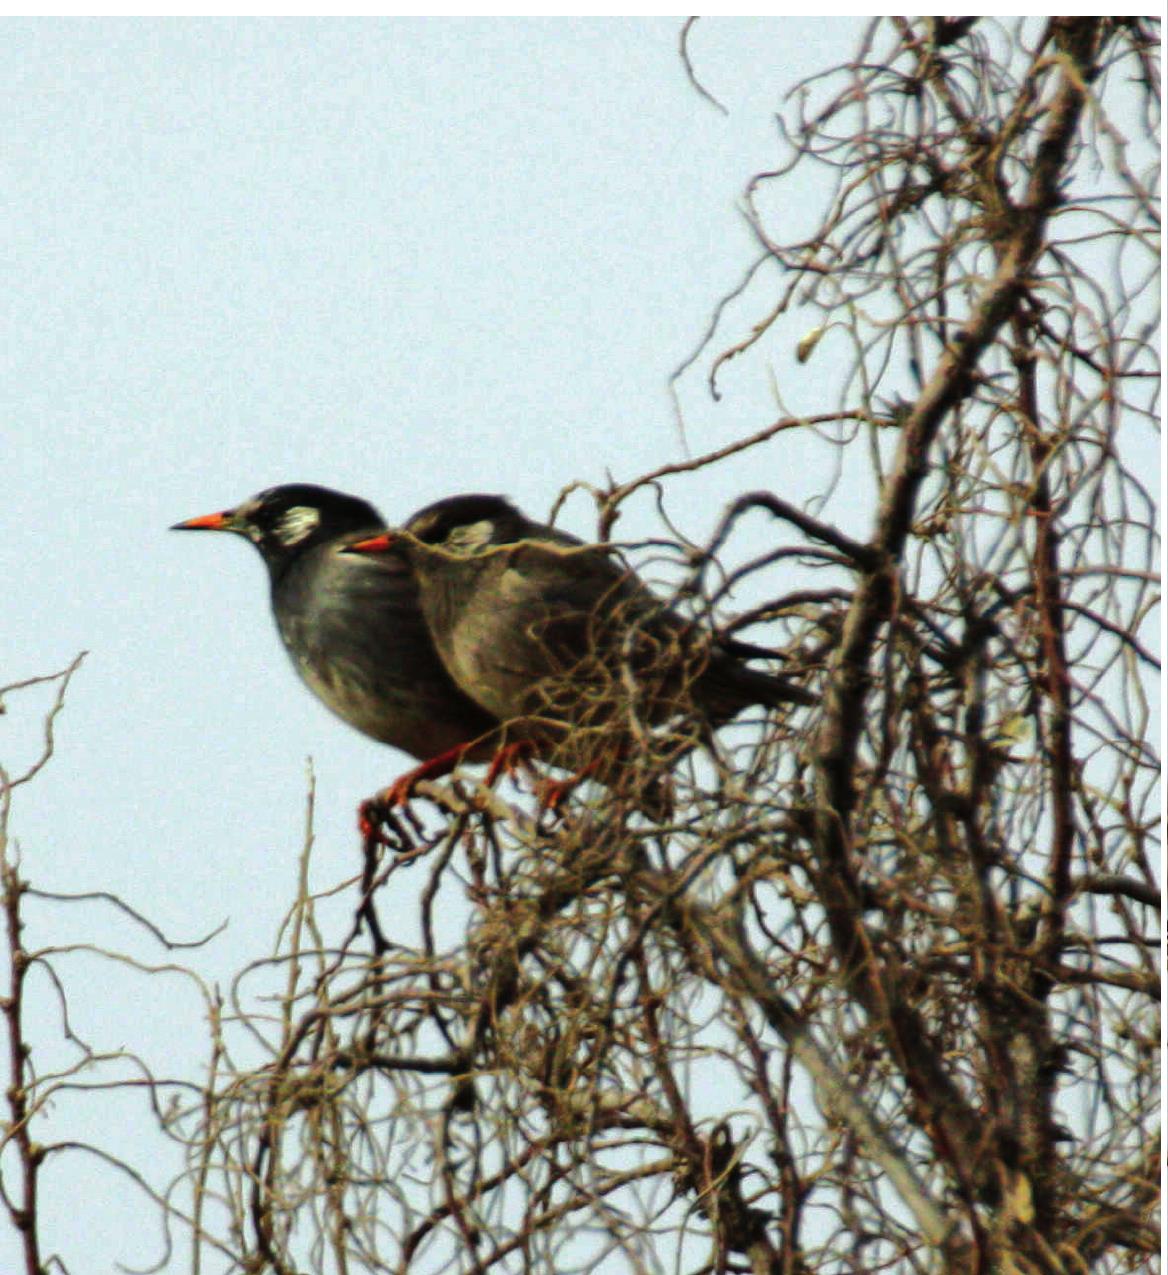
<point>292,527</point>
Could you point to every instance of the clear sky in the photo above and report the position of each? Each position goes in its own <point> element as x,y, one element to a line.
<point>403,258</point>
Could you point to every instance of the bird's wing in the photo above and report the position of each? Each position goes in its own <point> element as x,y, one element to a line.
<point>577,601</point>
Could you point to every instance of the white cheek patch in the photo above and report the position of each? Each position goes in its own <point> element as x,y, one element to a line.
<point>298,522</point>
<point>473,536</point>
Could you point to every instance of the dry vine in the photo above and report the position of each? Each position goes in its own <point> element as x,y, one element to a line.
<point>881,991</point>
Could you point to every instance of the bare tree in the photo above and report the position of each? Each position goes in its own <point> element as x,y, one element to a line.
<point>879,991</point>
<point>50,1060</point>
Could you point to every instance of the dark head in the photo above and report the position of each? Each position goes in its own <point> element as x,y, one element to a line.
<point>461,525</point>
<point>283,522</point>
<point>466,522</point>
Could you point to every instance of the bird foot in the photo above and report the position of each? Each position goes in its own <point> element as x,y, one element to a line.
<point>374,817</point>
<point>401,791</point>
<point>553,794</point>
<point>508,760</point>
<point>378,811</point>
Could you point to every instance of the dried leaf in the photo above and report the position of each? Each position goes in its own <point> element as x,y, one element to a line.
<point>806,347</point>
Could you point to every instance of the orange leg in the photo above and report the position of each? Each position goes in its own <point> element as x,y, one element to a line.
<point>508,760</point>
<point>553,793</point>
<point>402,789</point>
<point>371,814</point>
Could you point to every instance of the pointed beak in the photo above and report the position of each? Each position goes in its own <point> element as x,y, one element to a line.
<point>208,522</point>
<point>373,544</point>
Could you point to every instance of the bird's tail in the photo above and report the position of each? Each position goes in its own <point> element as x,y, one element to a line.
<point>729,686</point>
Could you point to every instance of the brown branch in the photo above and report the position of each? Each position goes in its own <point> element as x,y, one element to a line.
<point>860,555</point>
<point>699,88</point>
<point>23,1215</point>
<point>609,501</point>
<point>29,1154</point>
<point>1126,887</point>
<point>718,948</point>
<point>871,981</point>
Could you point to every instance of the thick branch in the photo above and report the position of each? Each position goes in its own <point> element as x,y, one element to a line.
<point>873,984</point>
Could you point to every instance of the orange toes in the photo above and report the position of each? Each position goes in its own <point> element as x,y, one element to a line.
<point>508,759</point>
<point>553,793</point>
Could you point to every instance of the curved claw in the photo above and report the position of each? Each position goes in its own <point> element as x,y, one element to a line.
<point>377,811</point>
<point>508,759</point>
<point>371,816</point>
<point>401,791</point>
<point>552,794</point>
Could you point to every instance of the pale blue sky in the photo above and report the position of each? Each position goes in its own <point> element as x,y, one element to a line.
<point>402,258</point>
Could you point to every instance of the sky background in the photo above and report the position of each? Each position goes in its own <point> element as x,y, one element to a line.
<point>401,258</point>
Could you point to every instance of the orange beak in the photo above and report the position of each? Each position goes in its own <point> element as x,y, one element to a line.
<point>206,522</point>
<point>373,544</point>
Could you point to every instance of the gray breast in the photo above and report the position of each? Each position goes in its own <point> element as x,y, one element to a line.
<point>354,630</point>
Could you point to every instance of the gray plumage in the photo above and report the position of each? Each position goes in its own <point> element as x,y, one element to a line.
<point>352,624</point>
<point>532,623</point>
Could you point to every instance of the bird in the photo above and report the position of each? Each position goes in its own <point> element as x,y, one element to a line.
<point>354,628</point>
<point>562,640</point>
